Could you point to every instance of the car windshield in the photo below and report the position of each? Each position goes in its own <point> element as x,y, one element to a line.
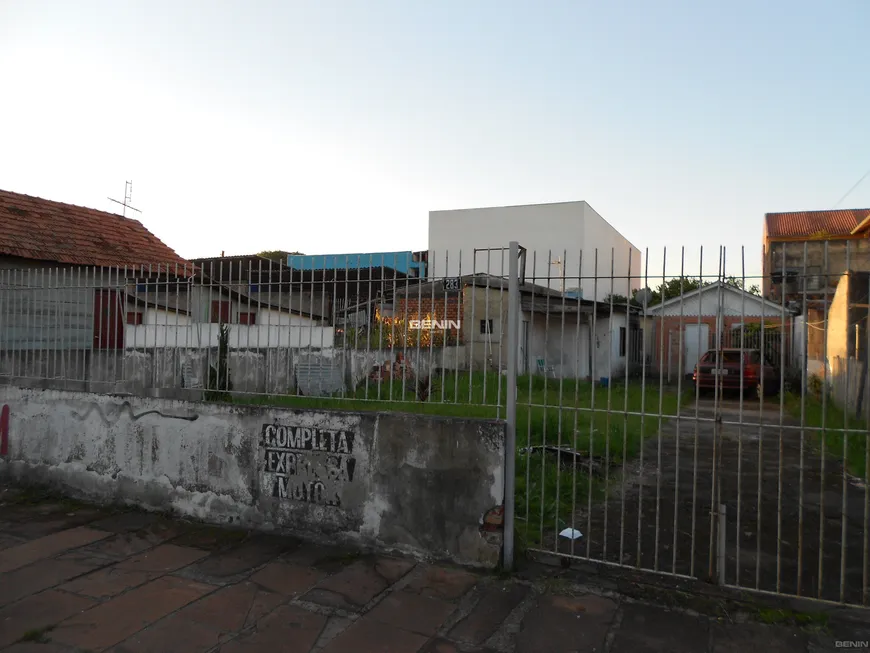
<point>731,357</point>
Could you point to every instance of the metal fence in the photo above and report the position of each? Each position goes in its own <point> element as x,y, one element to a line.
<point>674,415</point>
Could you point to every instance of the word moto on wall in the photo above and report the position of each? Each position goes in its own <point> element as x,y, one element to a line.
<point>308,464</point>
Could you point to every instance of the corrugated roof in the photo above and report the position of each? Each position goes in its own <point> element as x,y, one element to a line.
<point>45,230</point>
<point>798,224</point>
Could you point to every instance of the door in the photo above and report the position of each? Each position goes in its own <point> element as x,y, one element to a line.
<point>696,341</point>
<point>108,320</point>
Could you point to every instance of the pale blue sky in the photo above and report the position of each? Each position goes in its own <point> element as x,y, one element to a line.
<point>337,126</point>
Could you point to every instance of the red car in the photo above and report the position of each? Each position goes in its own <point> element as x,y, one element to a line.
<point>737,369</point>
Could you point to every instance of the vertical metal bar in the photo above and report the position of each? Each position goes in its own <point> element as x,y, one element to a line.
<point>761,451</point>
<point>592,417</point>
<point>14,321</point>
<point>176,354</point>
<point>46,302</point>
<point>30,318</point>
<point>6,328</point>
<point>529,401</point>
<point>324,312</point>
<point>136,329</point>
<point>373,322</point>
<point>82,361</point>
<point>627,361</point>
<point>419,334</point>
<point>576,408</point>
<point>311,295</point>
<point>487,351</point>
<point>291,329</point>
<point>865,558</point>
<point>544,420</point>
<point>607,421</point>
<point>447,328</point>
<point>680,374</point>
<point>781,441</point>
<point>740,418</point>
<point>460,314</point>
<point>60,369</point>
<point>844,509</point>
<point>431,312</point>
<point>715,481</point>
<point>824,444</point>
<point>561,405</point>
<point>511,405</point>
<point>804,362</point>
<point>471,332</point>
<point>349,335</point>
<point>722,543</point>
<point>661,411</point>
<point>697,425</point>
<point>501,335</point>
<point>404,322</point>
<point>643,334</point>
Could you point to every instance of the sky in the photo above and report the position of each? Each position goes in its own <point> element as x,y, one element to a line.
<point>331,127</point>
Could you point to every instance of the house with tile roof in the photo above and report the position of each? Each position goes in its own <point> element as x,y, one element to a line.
<point>806,254</point>
<point>75,278</point>
<point>39,233</point>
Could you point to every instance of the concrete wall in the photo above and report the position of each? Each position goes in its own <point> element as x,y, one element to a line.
<point>563,231</point>
<point>415,483</point>
<point>560,347</point>
<point>481,304</point>
<point>241,336</point>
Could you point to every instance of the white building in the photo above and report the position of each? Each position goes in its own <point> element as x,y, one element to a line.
<point>561,239</point>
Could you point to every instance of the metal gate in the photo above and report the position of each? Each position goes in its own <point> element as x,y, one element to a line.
<point>749,469</point>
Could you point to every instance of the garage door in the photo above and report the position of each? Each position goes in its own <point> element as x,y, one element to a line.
<point>696,341</point>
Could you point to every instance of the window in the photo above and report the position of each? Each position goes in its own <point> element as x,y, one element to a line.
<point>486,326</point>
<point>622,341</point>
<point>134,317</point>
<point>248,318</point>
<point>220,312</point>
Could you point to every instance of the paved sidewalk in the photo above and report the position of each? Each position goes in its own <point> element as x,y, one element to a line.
<point>79,578</point>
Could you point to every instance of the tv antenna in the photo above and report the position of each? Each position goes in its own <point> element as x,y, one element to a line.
<point>128,194</point>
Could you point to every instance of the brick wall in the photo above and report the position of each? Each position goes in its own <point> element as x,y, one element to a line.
<point>437,308</point>
<point>669,329</point>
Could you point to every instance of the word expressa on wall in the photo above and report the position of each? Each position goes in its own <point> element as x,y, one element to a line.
<point>307,464</point>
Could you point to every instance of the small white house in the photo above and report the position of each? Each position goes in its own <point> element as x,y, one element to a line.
<point>683,328</point>
<point>568,246</point>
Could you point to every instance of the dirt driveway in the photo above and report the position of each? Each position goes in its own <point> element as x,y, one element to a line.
<point>762,476</point>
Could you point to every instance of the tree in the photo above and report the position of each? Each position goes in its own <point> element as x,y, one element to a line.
<point>681,285</point>
<point>739,283</point>
<point>219,382</point>
<point>670,289</point>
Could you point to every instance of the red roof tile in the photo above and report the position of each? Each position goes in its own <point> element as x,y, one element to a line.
<point>809,223</point>
<point>35,228</point>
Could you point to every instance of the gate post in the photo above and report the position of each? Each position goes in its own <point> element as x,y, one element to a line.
<point>510,448</point>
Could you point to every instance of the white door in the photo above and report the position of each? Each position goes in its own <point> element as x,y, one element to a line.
<point>696,341</point>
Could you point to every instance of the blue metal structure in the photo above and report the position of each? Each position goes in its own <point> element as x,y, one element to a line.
<point>412,264</point>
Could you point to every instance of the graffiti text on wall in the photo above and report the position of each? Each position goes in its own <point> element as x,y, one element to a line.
<point>307,464</point>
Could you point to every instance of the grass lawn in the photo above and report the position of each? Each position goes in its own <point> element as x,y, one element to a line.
<point>564,413</point>
<point>848,441</point>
